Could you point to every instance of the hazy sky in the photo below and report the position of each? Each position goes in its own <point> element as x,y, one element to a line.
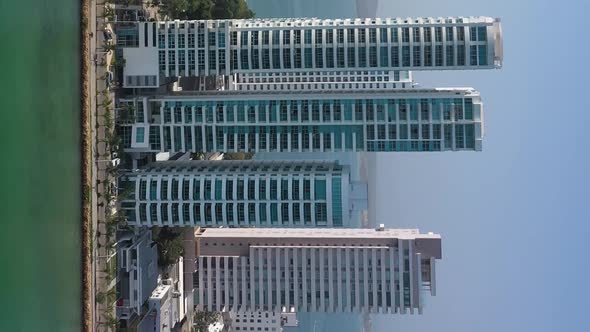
<point>514,217</point>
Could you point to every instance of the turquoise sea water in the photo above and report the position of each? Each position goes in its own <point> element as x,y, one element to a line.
<point>40,277</point>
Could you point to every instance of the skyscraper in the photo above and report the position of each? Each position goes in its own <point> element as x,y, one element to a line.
<point>245,193</point>
<point>155,51</point>
<point>395,120</point>
<point>319,270</point>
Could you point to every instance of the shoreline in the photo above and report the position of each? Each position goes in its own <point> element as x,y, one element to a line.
<point>86,157</point>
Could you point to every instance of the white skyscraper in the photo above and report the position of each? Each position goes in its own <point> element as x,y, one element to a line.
<point>157,51</point>
<point>315,270</point>
<point>244,193</point>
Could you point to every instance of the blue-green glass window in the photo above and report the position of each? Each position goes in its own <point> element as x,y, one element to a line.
<point>351,57</point>
<point>171,40</point>
<point>468,109</point>
<point>348,110</point>
<point>286,37</point>
<point>319,189</point>
<point>319,57</point>
<point>266,58</point>
<point>438,55</point>
<point>276,58</point>
<point>218,189</point>
<point>394,35</point>
<point>340,57</point>
<point>470,136</point>
<point>413,103</point>
<point>473,33</point>
<point>406,56</point>
<point>384,57</point>
<point>274,213</point>
<point>211,38</point>
<point>164,212</point>
<point>207,189</point>
<point>255,59</point>
<point>161,41</point>
<point>244,38</point>
<point>188,138</point>
<point>383,35</point>
<point>481,33</point>
<point>321,212</point>
<point>251,213</point>
<point>450,55</point>
<point>286,58</point>
<point>448,134</point>
<point>306,189</point>
<point>483,55</point>
<point>275,37</point>
<point>459,136</point>
<point>177,138</point>
<point>308,58</point>
<point>473,56</point>
<point>337,201</point>
<point>395,56</point>
<point>405,35</point>
<point>403,131</point>
<point>307,213</point>
<point>229,212</point>
<point>417,56</point>
<point>244,59</point>
<point>373,56</point>
<point>240,189</point>
<point>262,212</point>
<point>285,213</point>
<point>221,39</point>
<point>307,37</point>
<point>241,214</point>
<point>461,55</point>
<point>362,56</point>
<point>436,131</point>
<point>212,60</point>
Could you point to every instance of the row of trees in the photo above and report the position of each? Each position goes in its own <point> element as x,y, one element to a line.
<point>205,9</point>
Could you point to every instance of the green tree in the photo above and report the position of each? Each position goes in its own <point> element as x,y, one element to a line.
<point>170,245</point>
<point>203,319</point>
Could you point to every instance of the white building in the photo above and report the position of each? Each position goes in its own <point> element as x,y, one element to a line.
<point>137,274</point>
<point>319,270</point>
<point>265,321</point>
<point>171,49</point>
<point>260,193</point>
<point>320,121</point>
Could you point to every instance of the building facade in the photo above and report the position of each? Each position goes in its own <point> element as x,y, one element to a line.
<point>244,193</point>
<point>320,270</point>
<point>329,121</point>
<point>224,47</point>
<point>137,273</point>
<point>262,321</point>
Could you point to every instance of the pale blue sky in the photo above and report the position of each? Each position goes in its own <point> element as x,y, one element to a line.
<point>513,217</point>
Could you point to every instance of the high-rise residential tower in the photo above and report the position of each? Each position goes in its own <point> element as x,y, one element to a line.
<point>157,51</point>
<point>315,270</point>
<point>245,194</point>
<point>298,121</point>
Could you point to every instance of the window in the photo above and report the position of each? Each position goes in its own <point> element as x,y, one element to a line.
<point>438,34</point>
<point>286,37</point>
<point>449,34</point>
<point>450,55</point>
<point>428,34</point>
<point>405,35</point>
<point>417,56</point>
<point>416,35</point>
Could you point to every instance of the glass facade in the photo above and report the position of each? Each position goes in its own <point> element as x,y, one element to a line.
<point>421,120</point>
<point>212,193</point>
<point>300,45</point>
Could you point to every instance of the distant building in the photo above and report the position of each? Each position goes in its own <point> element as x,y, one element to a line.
<point>319,270</point>
<point>137,274</point>
<point>239,193</point>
